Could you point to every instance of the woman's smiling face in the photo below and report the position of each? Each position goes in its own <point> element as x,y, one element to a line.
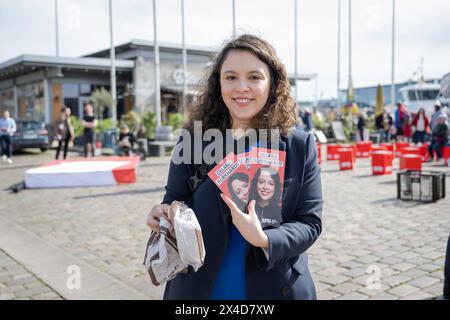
<point>240,189</point>
<point>265,186</point>
<point>245,85</point>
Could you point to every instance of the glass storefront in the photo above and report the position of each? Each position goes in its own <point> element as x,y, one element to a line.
<point>31,102</point>
<point>7,102</point>
<point>77,94</point>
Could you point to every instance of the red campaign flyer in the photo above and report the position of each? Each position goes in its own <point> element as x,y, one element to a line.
<point>231,175</point>
<point>257,175</point>
<point>266,184</point>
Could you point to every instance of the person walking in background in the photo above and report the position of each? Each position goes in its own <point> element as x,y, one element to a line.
<point>62,133</point>
<point>307,120</point>
<point>361,125</point>
<point>437,112</point>
<point>384,123</point>
<point>7,129</point>
<point>420,126</point>
<point>71,131</point>
<point>407,128</point>
<point>401,118</point>
<point>439,137</point>
<point>89,124</point>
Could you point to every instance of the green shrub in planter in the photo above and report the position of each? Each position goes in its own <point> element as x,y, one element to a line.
<point>133,120</point>
<point>77,126</point>
<point>104,125</point>
<point>176,121</point>
<point>149,121</point>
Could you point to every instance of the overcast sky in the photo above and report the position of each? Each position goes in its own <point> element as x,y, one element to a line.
<point>423,30</point>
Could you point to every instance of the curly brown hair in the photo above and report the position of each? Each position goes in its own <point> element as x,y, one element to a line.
<point>279,111</point>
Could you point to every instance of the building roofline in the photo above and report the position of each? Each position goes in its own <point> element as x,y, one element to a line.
<point>65,62</point>
<point>163,46</point>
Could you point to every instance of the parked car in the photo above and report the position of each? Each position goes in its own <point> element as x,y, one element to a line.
<point>31,134</point>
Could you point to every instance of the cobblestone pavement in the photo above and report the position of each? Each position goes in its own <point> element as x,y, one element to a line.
<point>18,283</point>
<point>368,233</point>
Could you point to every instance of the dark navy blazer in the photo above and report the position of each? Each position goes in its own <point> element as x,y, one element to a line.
<point>285,275</point>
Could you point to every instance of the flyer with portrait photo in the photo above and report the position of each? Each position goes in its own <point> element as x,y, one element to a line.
<point>231,175</point>
<point>266,184</point>
<point>257,175</point>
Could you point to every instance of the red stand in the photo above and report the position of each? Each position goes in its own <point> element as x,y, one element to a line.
<point>446,155</point>
<point>382,162</point>
<point>410,162</point>
<point>378,148</point>
<point>346,159</point>
<point>332,152</point>
<point>363,149</point>
<point>388,146</point>
<point>412,150</point>
<point>399,147</point>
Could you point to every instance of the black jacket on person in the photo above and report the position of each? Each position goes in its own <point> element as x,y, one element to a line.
<point>131,138</point>
<point>379,121</point>
<point>361,123</point>
<point>440,133</point>
<point>285,275</point>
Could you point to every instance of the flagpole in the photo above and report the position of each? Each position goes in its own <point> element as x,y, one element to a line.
<point>183,41</point>
<point>296,51</point>
<point>234,18</point>
<point>338,100</point>
<point>393,58</point>
<point>113,65</point>
<point>157,80</point>
<point>350,80</point>
<point>56,28</point>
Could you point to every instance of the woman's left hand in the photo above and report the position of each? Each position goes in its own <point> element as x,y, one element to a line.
<point>247,224</point>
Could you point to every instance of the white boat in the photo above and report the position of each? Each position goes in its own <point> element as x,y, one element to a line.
<point>421,95</point>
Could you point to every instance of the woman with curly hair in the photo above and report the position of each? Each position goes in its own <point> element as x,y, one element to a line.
<point>247,89</point>
<point>238,184</point>
<point>266,191</point>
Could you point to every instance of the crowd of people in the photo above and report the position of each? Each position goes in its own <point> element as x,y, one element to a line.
<point>416,128</point>
<point>400,125</point>
<point>64,135</point>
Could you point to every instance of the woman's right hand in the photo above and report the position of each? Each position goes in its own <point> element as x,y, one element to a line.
<point>153,217</point>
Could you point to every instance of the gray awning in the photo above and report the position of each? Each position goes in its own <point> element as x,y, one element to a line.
<point>193,91</point>
<point>28,63</point>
